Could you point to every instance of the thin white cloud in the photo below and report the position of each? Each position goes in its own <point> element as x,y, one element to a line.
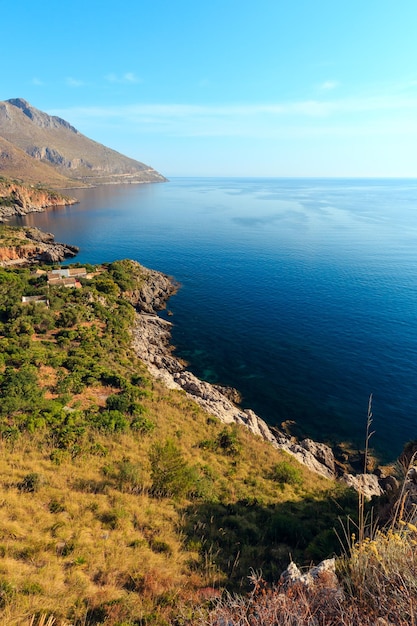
<point>129,77</point>
<point>126,78</point>
<point>383,114</point>
<point>73,82</point>
<point>36,81</point>
<point>329,85</point>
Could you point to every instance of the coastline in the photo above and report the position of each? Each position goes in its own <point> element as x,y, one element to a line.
<point>18,198</point>
<point>31,245</point>
<point>151,340</point>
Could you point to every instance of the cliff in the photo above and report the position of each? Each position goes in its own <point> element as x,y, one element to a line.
<point>15,163</point>
<point>53,143</point>
<point>19,199</point>
<point>29,245</point>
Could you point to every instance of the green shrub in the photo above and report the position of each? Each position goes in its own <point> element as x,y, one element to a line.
<point>127,475</point>
<point>111,421</point>
<point>67,317</point>
<point>30,483</point>
<point>228,441</point>
<point>106,285</point>
<point>170,474</point>
<point>286,474</point>
<point>142,424</point>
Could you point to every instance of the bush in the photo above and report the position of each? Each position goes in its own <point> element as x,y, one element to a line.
<point>142,424</point>
<point>111,421</point>
<point>170,474</point>
<point>286,474</point>
<point>67,317</point>
<point>381,574</point>
<point>127,476</point>
<point>228,441</point>
<point>30,483</point>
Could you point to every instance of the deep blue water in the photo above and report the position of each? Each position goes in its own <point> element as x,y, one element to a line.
<point>302,293</point>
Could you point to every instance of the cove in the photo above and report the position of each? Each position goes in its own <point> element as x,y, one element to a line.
<point>301,293</point>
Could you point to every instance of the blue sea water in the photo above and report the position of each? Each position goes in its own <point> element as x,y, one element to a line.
<point>302,293</point>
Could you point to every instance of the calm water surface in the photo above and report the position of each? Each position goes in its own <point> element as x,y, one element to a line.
<point>300,293</point>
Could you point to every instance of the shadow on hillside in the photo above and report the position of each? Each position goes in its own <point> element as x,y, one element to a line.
<point>234,539</point>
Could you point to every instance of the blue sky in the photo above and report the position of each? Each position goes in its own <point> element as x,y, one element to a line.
<point>231,87</point>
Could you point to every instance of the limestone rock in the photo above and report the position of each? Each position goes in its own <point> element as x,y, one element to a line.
<point>231,393</point>
<point>20,199</point>
<point>38,235</point>
<point>154,292</point>
<point>304,456</point>
<point>322,452</point>
<point>29,245</point>
<point>368,484</point>
<point>57,252</point>
<point>323,573</point>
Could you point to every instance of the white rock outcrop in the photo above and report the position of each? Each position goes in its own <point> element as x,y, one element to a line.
<point>367,484</point>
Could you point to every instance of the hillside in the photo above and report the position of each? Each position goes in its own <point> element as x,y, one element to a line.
<point>15,163</point>
<point>123,501</point>
<point>51,142</point>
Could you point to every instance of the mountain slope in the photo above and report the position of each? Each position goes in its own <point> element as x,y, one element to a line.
<point>15,163</point>
<point>52,141</point>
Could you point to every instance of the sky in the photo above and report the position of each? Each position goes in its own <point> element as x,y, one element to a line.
<point>276,88</point>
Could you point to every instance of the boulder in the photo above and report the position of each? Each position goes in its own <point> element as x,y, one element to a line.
<point>323,573</point>
<point>367,484</point>
<point>322,452</point>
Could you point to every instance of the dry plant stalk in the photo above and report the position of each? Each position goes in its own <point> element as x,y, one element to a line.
<point>43,620</point>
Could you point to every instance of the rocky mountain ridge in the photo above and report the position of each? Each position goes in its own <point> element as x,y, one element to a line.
<point>55,144</point>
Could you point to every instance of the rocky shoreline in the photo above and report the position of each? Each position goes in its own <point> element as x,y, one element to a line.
<point>151,337</point>
<point>31,245</point>
<point>21,199</point>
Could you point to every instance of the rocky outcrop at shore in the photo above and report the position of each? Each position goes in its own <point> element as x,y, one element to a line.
<point>20,199</point>
<point>29,245</point>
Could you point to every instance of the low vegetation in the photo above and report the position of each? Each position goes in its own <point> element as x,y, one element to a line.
<point>122,502</point>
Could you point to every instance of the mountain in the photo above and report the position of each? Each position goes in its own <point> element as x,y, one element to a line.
<point>42,148</point>
<point>15,163</point>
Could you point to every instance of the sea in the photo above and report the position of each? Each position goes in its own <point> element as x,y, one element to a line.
<point>300,293</point>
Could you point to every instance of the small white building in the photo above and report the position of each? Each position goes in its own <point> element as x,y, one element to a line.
<point>35,300</point>
<point>68,272</point>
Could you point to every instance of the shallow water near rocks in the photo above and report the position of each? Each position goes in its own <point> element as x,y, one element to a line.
<point>301,293</point>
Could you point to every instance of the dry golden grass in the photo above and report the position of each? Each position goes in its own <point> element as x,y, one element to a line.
<point>89,531</point>
<point>82,543</point>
